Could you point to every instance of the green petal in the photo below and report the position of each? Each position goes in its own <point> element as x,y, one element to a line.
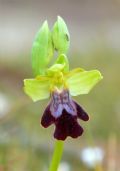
<point>42,50</point>
<point>37,89</point>
<point>54,69</point>
<point>62,59</point>
<point>81,82</point>
<point>61,65</point>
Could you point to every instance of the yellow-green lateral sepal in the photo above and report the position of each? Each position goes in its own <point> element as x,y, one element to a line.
<point>37,89</point>
<point>81,82</point>
<point>42,50</point>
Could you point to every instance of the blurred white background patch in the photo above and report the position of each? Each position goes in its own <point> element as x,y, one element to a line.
<point>64,166</point>
<point>4,105</point>
<point>92,156</point>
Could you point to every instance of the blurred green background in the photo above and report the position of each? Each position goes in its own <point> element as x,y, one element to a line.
<point>94,27</point>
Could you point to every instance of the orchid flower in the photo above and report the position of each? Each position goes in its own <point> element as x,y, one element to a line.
<point>58,83</point>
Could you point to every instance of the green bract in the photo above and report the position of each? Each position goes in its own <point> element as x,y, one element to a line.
<point>78,81</point>
<point>60,36</point>
<point>42,50</point>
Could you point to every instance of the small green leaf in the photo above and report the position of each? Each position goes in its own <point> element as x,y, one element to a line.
<point>37,89</point>
<point>42,50</point>
<point>60,36</point>
<point>82,82</point>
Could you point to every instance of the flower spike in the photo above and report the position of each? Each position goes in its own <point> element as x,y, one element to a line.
<point>58,83</point>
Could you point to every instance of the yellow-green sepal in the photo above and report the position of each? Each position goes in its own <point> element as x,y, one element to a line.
<point>38,88</point>
<point>81,81</point>
<point>42,50</point>
<point>60,36</point>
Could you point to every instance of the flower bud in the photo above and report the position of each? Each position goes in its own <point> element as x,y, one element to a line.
<point>42,50</point>
<point>60,36</point>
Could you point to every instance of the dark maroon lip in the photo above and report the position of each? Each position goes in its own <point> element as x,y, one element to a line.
<point>67,125</point>
<point>64,112</point>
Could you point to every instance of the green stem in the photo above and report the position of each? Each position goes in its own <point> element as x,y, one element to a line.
<point>58,150</point>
